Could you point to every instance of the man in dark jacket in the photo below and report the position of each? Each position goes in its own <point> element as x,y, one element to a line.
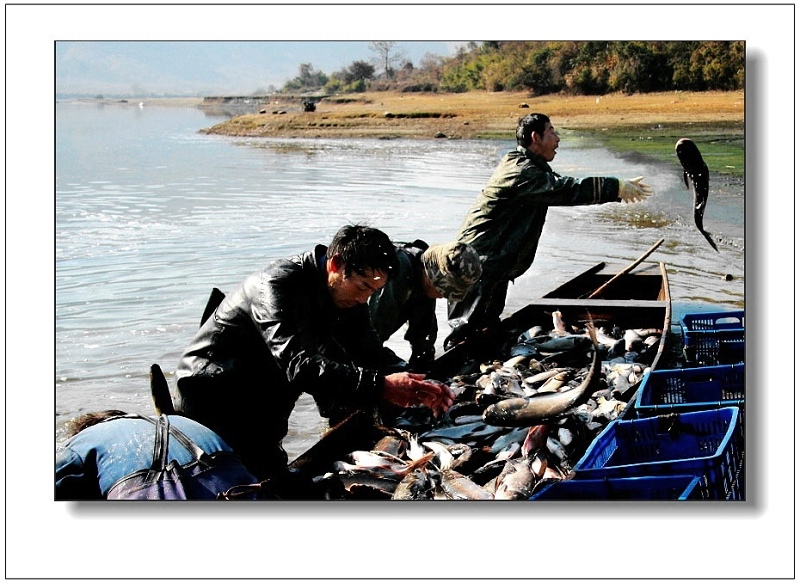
<point>506,221</point>
<point>299,325</point>
<point>424,274</point>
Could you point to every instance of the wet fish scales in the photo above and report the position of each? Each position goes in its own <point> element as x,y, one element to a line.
<point>456,486</point>
<point>518,412</point>
<point>415,486</point>
<point>517,484</point>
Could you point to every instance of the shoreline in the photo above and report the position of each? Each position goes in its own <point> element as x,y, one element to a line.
<point>645,124</point>
<point>476,115</point>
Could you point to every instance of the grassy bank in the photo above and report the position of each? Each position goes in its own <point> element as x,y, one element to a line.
<point>722,144</point>
<point>647,124</point>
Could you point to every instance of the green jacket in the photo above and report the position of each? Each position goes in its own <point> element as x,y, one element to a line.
<point>402,300</point>
<point>505,222</point>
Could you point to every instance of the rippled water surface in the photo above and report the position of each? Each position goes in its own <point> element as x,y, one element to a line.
<point>151,214</point>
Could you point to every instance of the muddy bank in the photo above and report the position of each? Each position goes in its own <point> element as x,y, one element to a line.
<point>475,114</point>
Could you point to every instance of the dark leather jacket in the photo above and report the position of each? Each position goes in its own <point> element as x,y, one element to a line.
<point>278,335</point>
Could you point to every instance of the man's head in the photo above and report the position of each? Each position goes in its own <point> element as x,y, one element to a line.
<point>360,261</point>
<point>81,422</point>
<point>451,269</point>
<point>537,134</point>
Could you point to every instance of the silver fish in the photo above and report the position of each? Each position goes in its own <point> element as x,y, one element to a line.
<point>367,485</point>
<point>555,383</point>
<point>543,376</point>
<point>519,412</point>
<point>518,483</point>
<point>415,486</point>
<point>442,459</point>
<point>516,435</point>
<point>391,444</point>
<point>456,486</point>
<point>695,169</point>
<point>463,433</point>
<point>559,328</point>
<point>535,440</point>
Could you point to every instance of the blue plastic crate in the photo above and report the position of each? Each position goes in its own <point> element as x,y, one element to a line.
<point>713,321</point>
<point>679,487</point>
<point>704,443</point>
<point>690,389</point>
<point>713,338</point>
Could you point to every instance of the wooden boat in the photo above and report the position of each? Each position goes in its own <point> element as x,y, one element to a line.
<point>639,298</point>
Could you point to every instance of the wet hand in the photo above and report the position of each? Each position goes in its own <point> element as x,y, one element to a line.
<point>408,389</point>
<point>634,190</point>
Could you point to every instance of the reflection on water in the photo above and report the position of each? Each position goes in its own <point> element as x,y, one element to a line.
<point>150,215</point>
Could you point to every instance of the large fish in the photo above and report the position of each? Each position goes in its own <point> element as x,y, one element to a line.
<point>415,486</point>
<point>456,486</point>
<point>518,483</point>
<point>477,431</point>
<point>695,169</point>
<point>544,407</point>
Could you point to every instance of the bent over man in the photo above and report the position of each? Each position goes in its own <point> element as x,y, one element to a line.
<point>106,446</point>
<point>424,274</point>
<point>506,221</point>
<point>299,325</point>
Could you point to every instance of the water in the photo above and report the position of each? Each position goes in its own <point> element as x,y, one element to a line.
<point>151,214</point>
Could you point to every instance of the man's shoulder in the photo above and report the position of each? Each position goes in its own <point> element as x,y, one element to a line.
<point>286,266</point>
<point>411,252</point>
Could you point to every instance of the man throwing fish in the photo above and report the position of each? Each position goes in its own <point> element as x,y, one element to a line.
<point>425,273</point>
<point>506,221</point>
<point>299,325</point>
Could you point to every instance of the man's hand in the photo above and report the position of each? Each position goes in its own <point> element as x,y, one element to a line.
<point>634,190</point>
<point>407,389</point>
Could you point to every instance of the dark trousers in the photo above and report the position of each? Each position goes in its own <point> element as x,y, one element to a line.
<point>249,424</point>
<point>480,309</point>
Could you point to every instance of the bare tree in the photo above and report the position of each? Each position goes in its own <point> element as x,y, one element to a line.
<point>388,56</point>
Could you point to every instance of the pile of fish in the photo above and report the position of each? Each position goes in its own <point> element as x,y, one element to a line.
<point>517,424</point>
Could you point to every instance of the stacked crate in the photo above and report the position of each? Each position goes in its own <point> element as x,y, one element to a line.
<point>712,338</point>
<point>708,444</point>
<point>687,440</point>
<point>690,389</point>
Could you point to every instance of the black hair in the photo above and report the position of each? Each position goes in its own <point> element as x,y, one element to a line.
<point>78,424</point>
<point>533,122</point>
<point>362,248</point>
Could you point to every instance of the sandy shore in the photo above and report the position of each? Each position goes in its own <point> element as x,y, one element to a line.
<point>477,114</point>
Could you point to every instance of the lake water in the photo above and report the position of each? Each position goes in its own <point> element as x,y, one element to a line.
<point>151,215</point>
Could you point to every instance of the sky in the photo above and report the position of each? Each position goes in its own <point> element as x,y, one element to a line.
<point>199,68</point>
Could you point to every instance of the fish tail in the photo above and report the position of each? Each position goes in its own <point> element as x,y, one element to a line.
<point>591,331</point>
<point>419,463</point>
<point>710,240</point>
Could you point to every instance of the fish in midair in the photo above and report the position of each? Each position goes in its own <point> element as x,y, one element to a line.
<point>695,169</point>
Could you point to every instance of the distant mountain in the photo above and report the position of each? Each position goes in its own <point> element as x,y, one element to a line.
<point>197,68</point>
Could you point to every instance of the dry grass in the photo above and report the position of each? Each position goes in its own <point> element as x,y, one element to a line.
<point>478,114</point>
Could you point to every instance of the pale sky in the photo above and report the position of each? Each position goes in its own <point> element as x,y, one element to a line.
<point>208,67</point>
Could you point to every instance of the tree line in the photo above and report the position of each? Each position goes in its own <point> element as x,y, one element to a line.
<point>542,68</point>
